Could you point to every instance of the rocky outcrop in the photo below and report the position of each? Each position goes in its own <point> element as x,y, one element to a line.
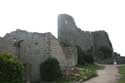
<point>92,43</point>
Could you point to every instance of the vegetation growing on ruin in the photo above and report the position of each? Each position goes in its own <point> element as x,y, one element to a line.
<point>80,73</point>
<point>50,70</point>
<point>11,70</point>
<point>122,74</point>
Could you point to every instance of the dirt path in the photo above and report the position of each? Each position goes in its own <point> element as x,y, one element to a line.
<point>108,75</point>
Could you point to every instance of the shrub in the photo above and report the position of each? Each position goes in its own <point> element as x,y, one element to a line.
<point>11,69</point>
<point>50,70</point>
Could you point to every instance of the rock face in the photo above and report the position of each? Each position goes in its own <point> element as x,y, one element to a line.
<point>70,35</point>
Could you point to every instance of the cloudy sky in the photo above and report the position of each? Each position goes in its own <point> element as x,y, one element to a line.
<point>41,16</point>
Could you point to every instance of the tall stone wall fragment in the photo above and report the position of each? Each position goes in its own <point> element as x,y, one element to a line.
<point>70,35</point>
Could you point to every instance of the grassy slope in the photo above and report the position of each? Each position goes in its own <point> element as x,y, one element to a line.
<point>122,74</point>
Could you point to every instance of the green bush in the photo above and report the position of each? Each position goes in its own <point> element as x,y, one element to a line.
<point>50,70</point>
<point>11,69</point>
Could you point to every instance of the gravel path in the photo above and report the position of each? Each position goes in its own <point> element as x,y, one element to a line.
<point>108,75</point>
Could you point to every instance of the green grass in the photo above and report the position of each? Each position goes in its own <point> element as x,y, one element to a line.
<point>93,66</point>
<point>82,73</point>
<point>122,74</point>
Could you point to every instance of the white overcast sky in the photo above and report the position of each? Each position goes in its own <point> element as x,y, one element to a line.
<point>41,16</point>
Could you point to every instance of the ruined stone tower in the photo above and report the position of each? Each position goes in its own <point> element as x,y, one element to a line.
<point>70,35</point>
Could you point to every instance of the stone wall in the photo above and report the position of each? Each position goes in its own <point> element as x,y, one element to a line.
<point>32,49</point>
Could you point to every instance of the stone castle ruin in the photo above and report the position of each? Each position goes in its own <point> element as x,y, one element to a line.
<point>35,48</point>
